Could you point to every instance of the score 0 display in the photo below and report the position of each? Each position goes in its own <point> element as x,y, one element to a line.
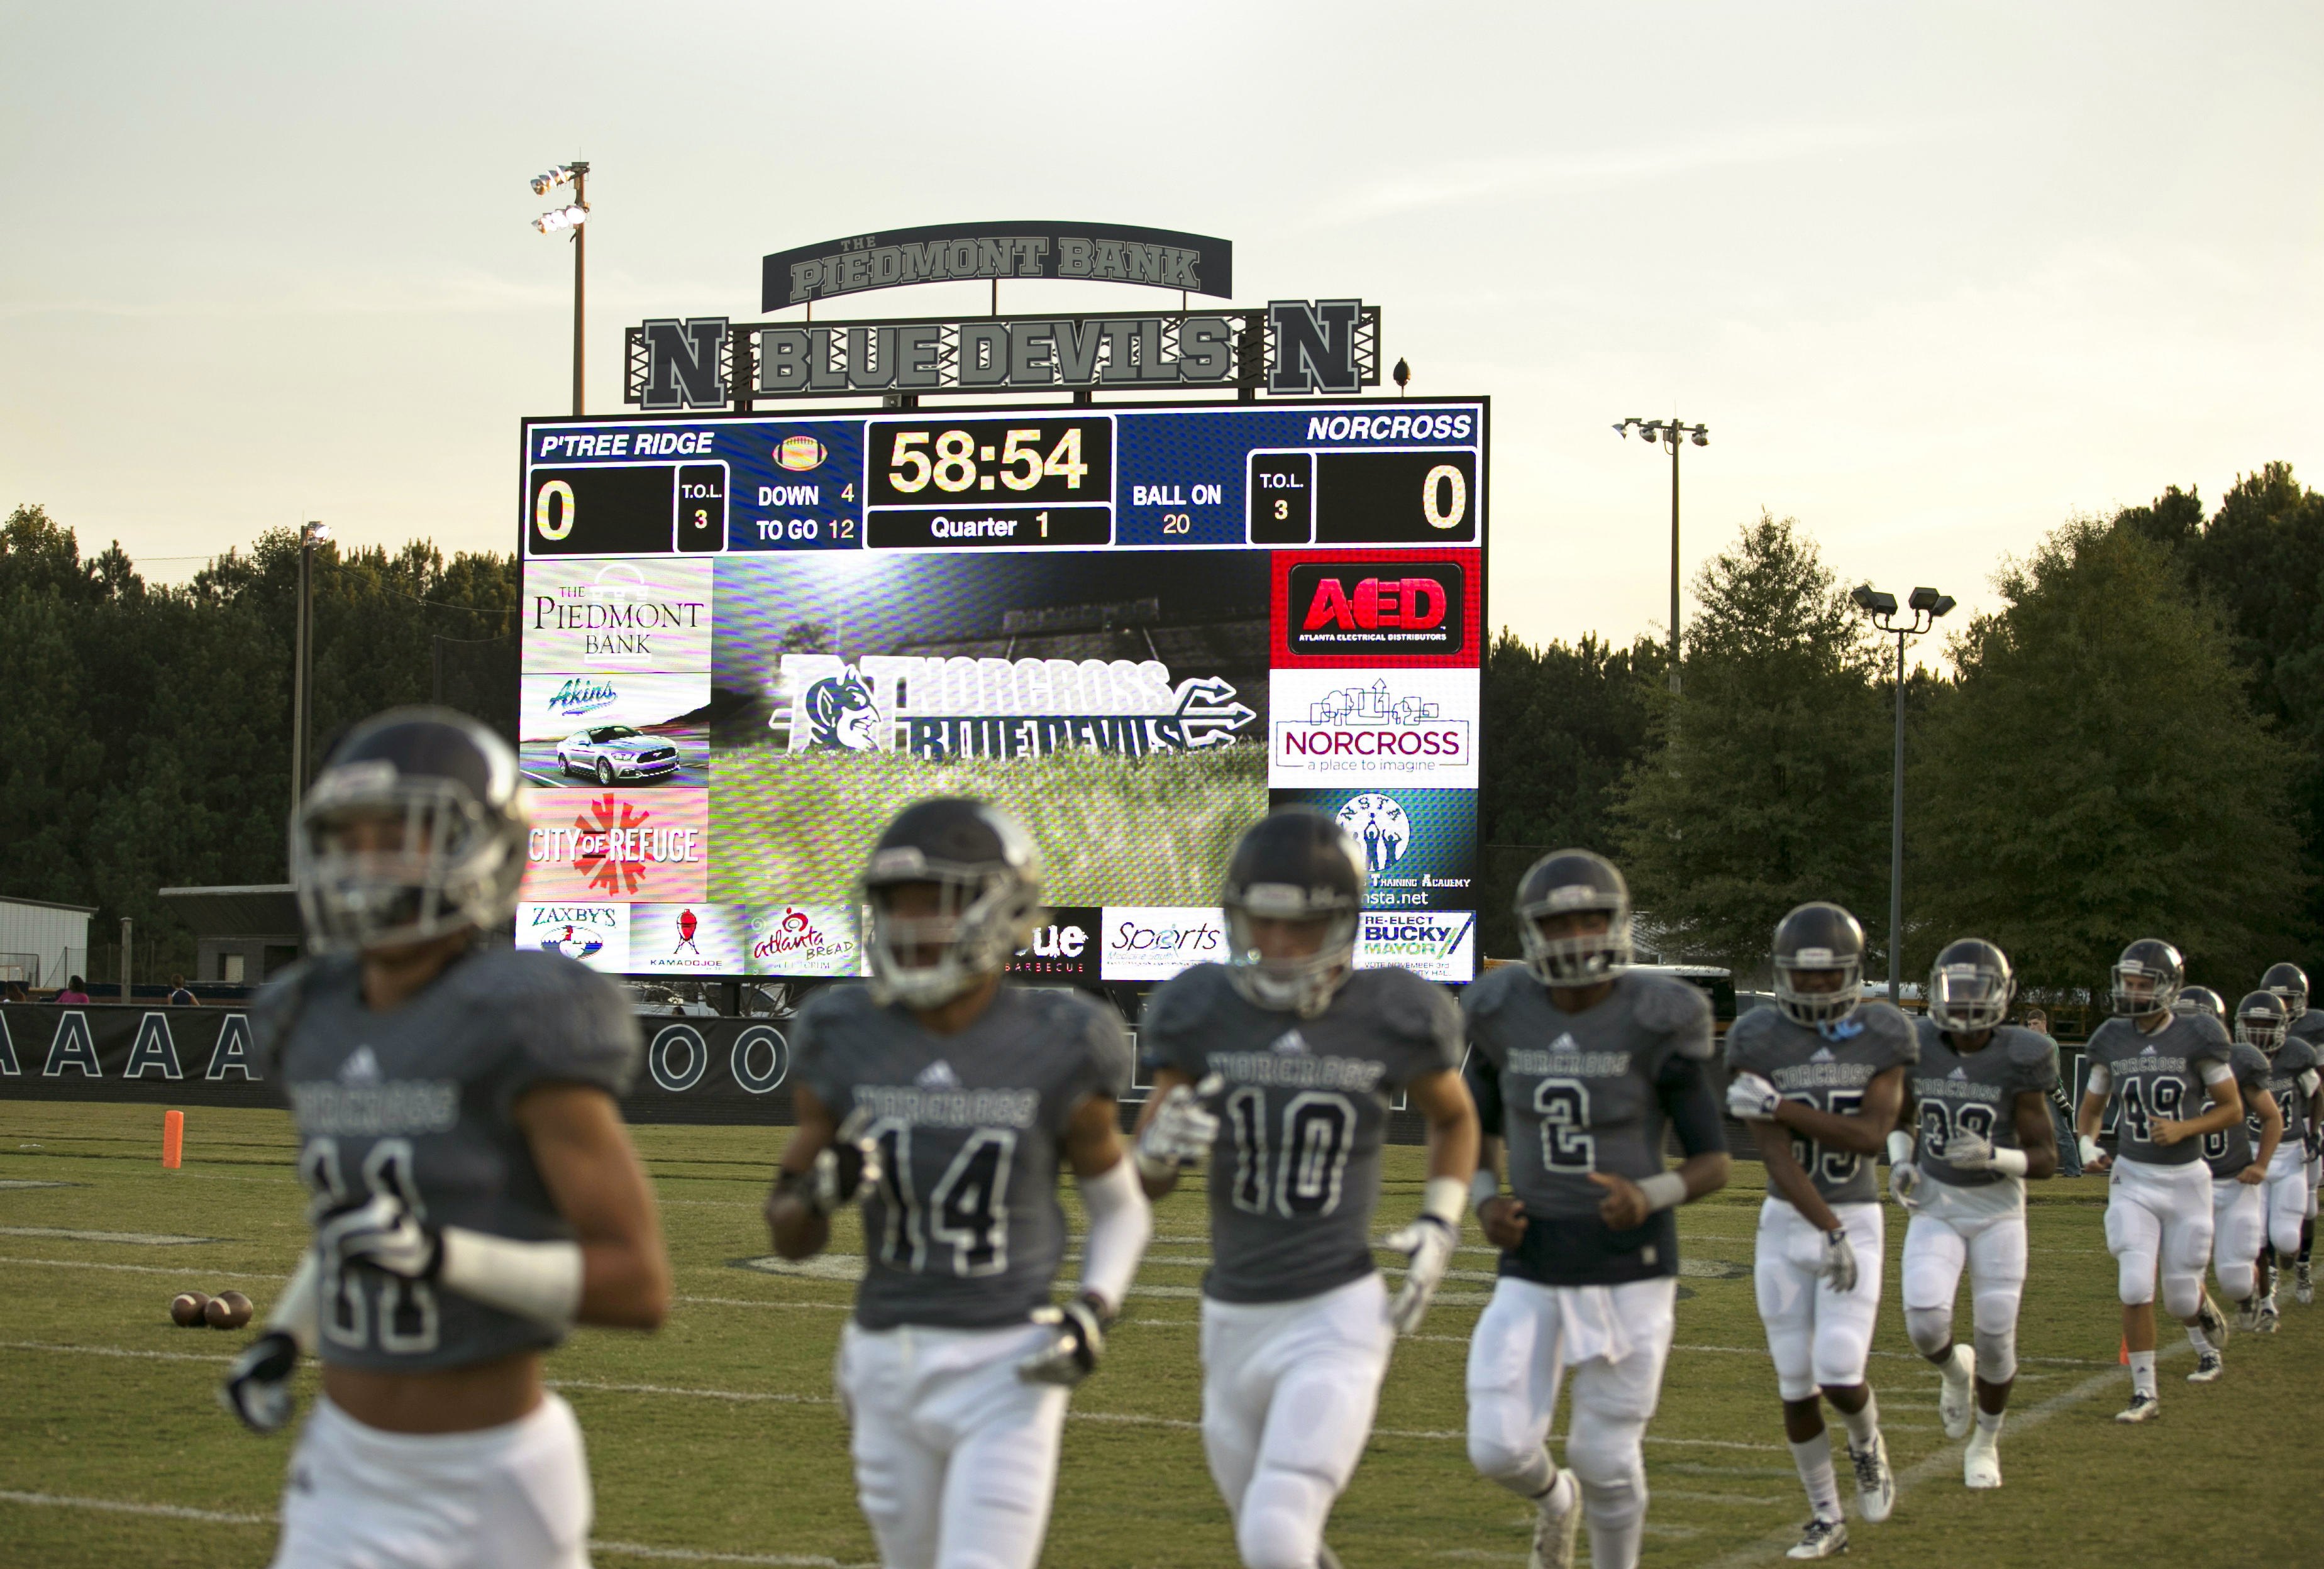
<point>748,640</point>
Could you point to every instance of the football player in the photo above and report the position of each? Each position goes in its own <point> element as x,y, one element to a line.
<point>1827,1067</point>
<point>2287,1202</point>
<point>2238,1157</point>
<point>1277,1068</point>
<point>2158,1211</point>
<point>474,1194</point>
<point>944,1100</point>
<point>2290,983</point>
<point>1578,1065</point>
<point>1981,1096</point>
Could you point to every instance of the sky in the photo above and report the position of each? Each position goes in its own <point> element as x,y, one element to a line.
<point>1937,277</point>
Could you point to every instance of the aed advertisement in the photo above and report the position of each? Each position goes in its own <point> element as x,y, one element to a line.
<point>748,642</point>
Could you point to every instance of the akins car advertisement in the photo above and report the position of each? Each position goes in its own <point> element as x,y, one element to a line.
<point>649,845</point>
<point>1346,608</point>
<point>805,939</point>
<point>554,704</point>
<point>1419,846</point>
<point>1372,726</point>
<point>1435,945</point>
<point>698,938</point>
<point>1156,942</point>
<point>596,934</point>
<point>650,614</point>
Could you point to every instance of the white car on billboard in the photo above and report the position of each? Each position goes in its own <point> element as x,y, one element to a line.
<point>612,752</point>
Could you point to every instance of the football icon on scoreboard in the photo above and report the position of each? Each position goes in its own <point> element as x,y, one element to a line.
<point>799,454</point>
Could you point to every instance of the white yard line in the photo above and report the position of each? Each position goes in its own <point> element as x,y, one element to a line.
<point>139,1239</point>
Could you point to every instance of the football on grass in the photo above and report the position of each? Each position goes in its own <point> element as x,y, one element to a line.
<point>227,1311</point>
<point>187,1308</point>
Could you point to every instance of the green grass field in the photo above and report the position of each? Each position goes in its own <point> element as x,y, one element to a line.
<point>716,1440</point>
<point>1114,830</point>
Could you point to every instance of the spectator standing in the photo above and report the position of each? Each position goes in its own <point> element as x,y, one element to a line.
<point>180,995</point>
<point>76,991</point>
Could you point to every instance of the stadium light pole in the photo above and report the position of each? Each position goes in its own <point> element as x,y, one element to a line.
<point>1674,435</point>
<point>302,663</point>
<point>1924,607</point>
<point>574,216</point>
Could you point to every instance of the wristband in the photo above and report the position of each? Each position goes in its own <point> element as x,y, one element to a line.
<point>1900,1146</point>
<point>1485,1185</point>
<point>539,1280</point>
<point>2090,1151</point>
<point>1444,1199</point>
<point>2010,1162</point>
<point>1664,1189</point>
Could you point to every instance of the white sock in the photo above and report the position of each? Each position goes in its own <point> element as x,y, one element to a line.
<point>1616,1517</point>
<point>2142,1372</point>
<point>2202,1346</point>
<point>1864,1426</point>
<point>1558,1496</point>
<point>1814,1457</point>
<point>1953,1374</point>
<point>1988,1425</point>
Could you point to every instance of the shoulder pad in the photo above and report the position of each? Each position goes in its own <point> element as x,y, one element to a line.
<point>1888,1025</point>
<point>1489,992</point>
<point>1665,1002</point>
<point>2213,1033</point>
<point>2249,1061</point>
<point>1410,1006</point>
<point>2306,1059</point>
<point>1751,1031</point>
<point>1095,1026</point>
<point>2029,1046</point>
<point>1179,1006</point>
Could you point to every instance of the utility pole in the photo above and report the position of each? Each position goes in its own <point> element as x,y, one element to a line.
<point>302,660</point>
<point>574,216</point>
<point>1674,435</point>
<point>1926,606</point>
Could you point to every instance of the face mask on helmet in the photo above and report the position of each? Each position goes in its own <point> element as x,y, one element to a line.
<point>2260,1022</point>
<point>2146,979</point>
<point>1815,986</point>
<point>1285,954</point>
<point>1563,945</point>
<point>953,888</point>
<point>1969,991</point>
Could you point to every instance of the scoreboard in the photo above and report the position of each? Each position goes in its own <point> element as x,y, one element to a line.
<point>748,640</point>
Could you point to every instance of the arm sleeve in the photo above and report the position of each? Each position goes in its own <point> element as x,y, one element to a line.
<point>1484,1082</point>
<point>2100,1082</point>
<point>1684,1088</point>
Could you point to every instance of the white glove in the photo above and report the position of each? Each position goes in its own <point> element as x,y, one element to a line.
<point>1970,1152</point>
<point>382,1231</point>
<point>1183,1130</point>
<point>257,1387</point>
<point>847,1169</point>
<point>1904,1184</point>
<point>1752,1098</point>
<point>2091,1151</point>
<point>1427,1246</point>
<point>1073,1351</point>
<point>1838,1265</point>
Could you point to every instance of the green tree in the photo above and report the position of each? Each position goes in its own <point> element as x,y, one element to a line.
<point>1766,783</point>
<point>2099,776</point>
<point>1562,723</point>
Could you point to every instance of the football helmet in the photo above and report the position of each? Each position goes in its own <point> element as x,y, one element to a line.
<point>2260,1020</point>
<point>2200,1000</point>
<point>2157,963</point>
<point>1560,884</point>
<point>414,829</point>
<point>2289,982</point>
<point>1295,864</point>
<point>1970,987</point>
<point>1819,936</point>
<point>988,880</point>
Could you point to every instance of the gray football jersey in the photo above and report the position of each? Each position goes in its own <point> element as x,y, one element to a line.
<point>1826,1066</point>
<point>964,1231</point>
<point>421,1102</point>
<point>1573,1094</point>
<point>1975,1092</point>
<point>1295,1174</point>
<point>2291,1059</point>
<point>2232,1148</point>
<point>2157,1075</point>
<point>2308,1027</point>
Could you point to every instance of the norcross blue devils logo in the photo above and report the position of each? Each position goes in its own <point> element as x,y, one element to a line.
<point>842,715</point>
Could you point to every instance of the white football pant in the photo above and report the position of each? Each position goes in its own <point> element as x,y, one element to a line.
<point>512,1497</point>
<point>955,1455</point>
<point>1288,1391</point>
<point>1617,1340</point>
<point>2289,1197</point>
<point>2238,1231</point>
<point>2160,1216</point>
<point>1983,1228</point>
<point>1819,1337</point>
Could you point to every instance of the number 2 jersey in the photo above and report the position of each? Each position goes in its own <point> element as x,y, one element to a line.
<point>964,1231</point>
<point>1295,1171</point>
<point>1573,1094</point>
<point>1826,1066</point>
<point>420,1101</point>
<point>1975,1092</point>
<point>2160,1074</point>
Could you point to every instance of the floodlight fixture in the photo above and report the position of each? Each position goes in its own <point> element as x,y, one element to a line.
<point>1403,374</point>
<point>564,173</point>
<point>1942,604</point>
<point>1701,437</point>
<point>315,533</point>
<point>556,218</point>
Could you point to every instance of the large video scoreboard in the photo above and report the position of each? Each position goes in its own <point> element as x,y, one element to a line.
<point>748,641</point>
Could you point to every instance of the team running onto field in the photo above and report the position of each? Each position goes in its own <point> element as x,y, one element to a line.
<point>474,1194</point>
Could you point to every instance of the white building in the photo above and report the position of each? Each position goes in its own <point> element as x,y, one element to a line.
<point>42,943</point>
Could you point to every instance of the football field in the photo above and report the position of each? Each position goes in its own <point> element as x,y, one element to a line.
<point>717,1441</point>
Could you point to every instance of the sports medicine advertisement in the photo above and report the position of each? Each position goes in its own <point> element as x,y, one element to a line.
<point>748,641</point>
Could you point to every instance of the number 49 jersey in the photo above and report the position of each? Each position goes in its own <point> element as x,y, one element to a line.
<point>1975,1092</point>
<point>421,1102</point>
<point>964,1231</point>
<point>1294,1174</point>
<point>1826,1066</point>
<point>1574,1094</point>
<point>2161,1075</point>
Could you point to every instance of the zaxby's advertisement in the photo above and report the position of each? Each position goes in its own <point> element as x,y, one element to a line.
<point>1133,628</point>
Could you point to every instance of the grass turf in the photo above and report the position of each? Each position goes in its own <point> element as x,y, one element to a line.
<point>717,1436</point>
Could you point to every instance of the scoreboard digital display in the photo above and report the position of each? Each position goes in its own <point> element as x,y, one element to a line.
<point>747,641</point>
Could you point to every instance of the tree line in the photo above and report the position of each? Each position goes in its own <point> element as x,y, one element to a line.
<point>2132,744</point>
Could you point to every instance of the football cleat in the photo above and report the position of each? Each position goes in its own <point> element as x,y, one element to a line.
<point>1981,1463</point>
<point>1554,1532</point>
<point>2248,1317</point>
<point>1876,1485</point>
<point>1953,1394</point>
<point>2142,1408</point>
<point>2207,1368</point>
<point>2213,1322</point>
<point>1822,1539</point>
<point>2267,1316</point>
<point>2303,1285</point>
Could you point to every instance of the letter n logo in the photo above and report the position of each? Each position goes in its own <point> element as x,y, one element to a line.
<point>1314,345</point>
<point>682,363</point>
